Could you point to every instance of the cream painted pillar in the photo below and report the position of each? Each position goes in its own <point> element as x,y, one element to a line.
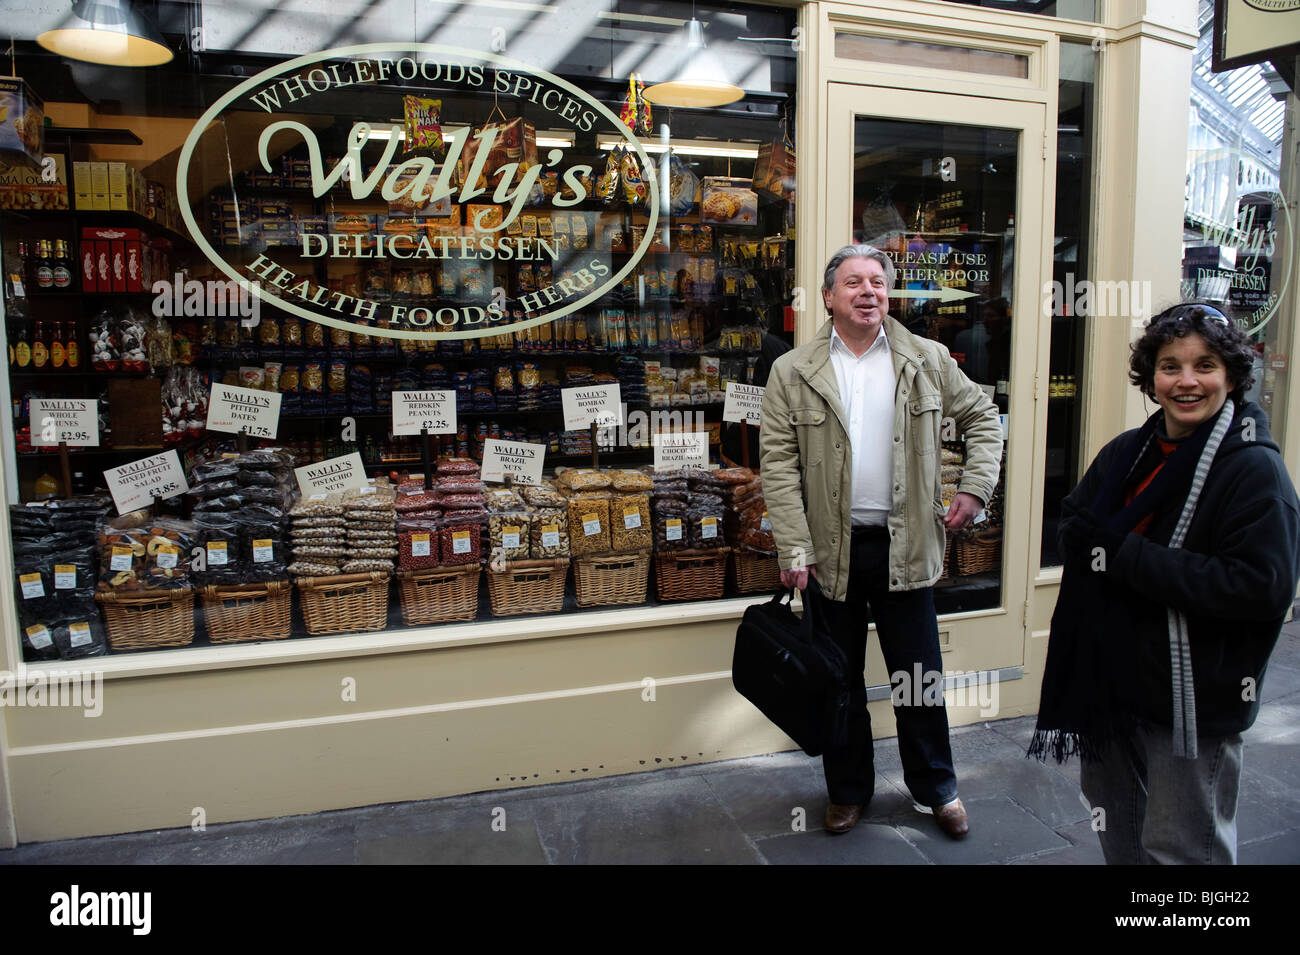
<point>8,832</point>
<point>1144,100</point>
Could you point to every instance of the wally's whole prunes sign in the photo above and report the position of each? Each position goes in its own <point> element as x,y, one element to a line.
<point>289,109</point>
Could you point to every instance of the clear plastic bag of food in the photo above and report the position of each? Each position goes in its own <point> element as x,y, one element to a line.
<point>629,521</point>
<point>509,534</point>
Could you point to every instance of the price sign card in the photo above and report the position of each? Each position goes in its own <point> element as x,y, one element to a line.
<point>232,410</point>
<point>593,404</point>
<point>337,474</point>
<point>518,459</point>
<point>689,450</point>
<point>135,485</point>
<point>744,403</point>
<point>74,420</point>
<point>432,410</point>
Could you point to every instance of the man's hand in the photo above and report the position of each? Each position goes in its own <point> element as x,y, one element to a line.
<point>962,511</point>
<point>798,577</point>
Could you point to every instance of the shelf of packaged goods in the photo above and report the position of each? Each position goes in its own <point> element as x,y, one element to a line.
<point>77,372</point>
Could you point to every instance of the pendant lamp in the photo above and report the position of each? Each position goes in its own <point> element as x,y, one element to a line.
<point>109,32</point>
<point>702,83</point>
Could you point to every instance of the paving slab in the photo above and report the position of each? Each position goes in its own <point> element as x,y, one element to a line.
<point>1282,849</point>
<point>673,822</point>
<point>1084,848</point>
<point>1000,831</point>
<point>869,843</point>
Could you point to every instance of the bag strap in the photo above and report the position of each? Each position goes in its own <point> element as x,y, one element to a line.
<point>818,636</point>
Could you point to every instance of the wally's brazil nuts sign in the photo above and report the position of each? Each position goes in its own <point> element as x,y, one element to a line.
<point>284,94</point>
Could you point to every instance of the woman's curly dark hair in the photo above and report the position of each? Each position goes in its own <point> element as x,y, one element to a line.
<point>1225,340</point>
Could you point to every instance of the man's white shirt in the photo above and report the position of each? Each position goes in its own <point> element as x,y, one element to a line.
<point>867,394</point>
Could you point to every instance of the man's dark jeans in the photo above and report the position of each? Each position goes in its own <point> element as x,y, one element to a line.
<point>909,634</point>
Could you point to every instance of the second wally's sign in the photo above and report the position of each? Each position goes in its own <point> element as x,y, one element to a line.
<point>294,97</point>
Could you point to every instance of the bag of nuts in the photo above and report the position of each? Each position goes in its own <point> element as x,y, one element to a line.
<point>629,523</point>
<point>509,533</point>
<point>549,532</point>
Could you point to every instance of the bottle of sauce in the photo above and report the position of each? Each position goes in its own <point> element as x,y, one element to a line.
<point>44,266</point>
<point>58,351</point>
<point>71,346</point>
<point>40,347</point>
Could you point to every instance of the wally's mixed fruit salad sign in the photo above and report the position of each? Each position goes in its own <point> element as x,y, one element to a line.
<point>420,168</point>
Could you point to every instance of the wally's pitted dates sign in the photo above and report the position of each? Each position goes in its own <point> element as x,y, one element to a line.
<point>321,83</point>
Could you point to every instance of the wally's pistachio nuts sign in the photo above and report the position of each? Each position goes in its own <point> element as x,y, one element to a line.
<point>342,101</point>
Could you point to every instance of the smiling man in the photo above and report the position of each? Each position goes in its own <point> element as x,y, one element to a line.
<point>850,462</point>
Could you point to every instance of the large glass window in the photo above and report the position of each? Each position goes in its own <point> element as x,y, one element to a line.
<point>940,200</point>
<point>280,330</point>
<point>1075,129</point>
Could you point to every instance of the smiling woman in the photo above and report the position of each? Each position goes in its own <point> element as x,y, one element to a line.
<point>1168,604</point>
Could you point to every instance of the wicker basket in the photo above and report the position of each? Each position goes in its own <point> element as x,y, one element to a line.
<point>979,553</point>
<point>691,574</point>
<point>528,586</point>
<point>949,562</point>
<point>347,603</point>
<point>145,621</point>
<point>438,594</point>
<point>756,572</point>
<point>611,579</point>
<point>245,612</point>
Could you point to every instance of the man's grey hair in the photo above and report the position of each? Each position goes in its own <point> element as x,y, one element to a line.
<point>858,252</point>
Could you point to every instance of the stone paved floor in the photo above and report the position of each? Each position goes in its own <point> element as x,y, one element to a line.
<point>741,811</point>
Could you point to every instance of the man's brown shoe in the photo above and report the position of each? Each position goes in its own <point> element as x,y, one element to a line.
<point>841,818</point>
<point>952,819</point>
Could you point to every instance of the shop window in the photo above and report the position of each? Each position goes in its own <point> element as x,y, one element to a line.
<point>391,206</point>
<point>939,199</point>
<point>1071,268</point>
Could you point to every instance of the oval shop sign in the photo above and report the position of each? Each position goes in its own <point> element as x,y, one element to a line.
<point>278,95</point>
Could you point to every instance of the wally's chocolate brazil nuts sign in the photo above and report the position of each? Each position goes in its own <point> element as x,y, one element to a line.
<point>315,88</point>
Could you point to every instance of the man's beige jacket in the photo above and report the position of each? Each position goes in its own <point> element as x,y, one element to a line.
<point>807,465</point>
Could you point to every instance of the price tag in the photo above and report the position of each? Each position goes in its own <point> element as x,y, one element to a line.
<point>550,535</point>
<point>689,450</point>
<point>517,459</point>
<point>135,485</point>
<point>673,529</point>
<point>32,586</point>
<point>72,420</point>
<point>431,410</point>
<point>632,518</point>
<point>79,634</point>
<point>65,576</point>
<point>419,545</point>
<point>233,410</point>
<point>168,555</point>
<point>263,551</point>
<point>765,522</point>
<point>460,542</point>
<point>708,527</point>
<point>39,637</point>
<point>217,554</point>
<point>337,474</point>
<point>591,404</point>
<point>590,524</point>
<point>744,403</point>
<point>509,537</point>
<point>121,559</point>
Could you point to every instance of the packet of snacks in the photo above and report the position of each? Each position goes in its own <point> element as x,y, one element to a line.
<point>423,126</point>
<point>634,187</point>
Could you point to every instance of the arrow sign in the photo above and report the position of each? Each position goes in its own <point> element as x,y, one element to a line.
<point>942,293</point>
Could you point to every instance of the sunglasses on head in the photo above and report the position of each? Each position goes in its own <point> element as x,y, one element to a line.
<point>1203,311</point>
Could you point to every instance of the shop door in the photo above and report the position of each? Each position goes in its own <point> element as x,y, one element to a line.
<point>952,188</point>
